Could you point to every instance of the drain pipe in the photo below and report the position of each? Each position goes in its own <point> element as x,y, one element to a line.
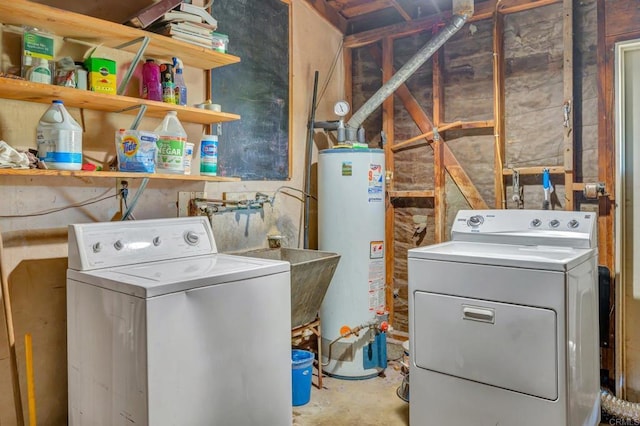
<point>406,71</point>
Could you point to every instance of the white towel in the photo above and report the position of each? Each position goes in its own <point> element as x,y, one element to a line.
<point>12,159</point>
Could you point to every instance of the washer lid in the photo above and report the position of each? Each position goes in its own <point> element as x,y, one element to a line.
<point>171,276</point>
<point>552,258</point>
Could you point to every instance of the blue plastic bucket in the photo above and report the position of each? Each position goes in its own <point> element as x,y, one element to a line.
<point>301,372</point>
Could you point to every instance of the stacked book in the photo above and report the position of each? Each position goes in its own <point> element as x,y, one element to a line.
<point>198,33</point>
<point>188,22</point>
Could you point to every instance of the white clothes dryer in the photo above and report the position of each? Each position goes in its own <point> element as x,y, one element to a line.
<point>163,330</point>
<point>503,321</point>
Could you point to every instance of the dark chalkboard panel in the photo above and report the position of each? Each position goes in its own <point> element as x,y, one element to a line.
<point>257,146</point>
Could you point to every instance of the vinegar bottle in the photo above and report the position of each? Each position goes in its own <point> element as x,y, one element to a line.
<point>172,141</point>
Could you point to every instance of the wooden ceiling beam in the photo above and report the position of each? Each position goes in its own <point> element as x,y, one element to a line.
<point>484,10</point>
<point>400,10</point>
<point>330,14</point>
<point>362,7</point>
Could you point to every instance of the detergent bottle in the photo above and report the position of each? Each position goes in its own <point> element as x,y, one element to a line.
<point>181,87</point>
<point>59,139</point>
<point>172,141</point>
<point>151,85</point>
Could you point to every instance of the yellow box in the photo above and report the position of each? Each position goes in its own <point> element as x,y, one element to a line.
<point>102,75</point>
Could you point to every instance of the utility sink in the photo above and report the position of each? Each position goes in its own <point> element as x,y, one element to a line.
<point>311,273</point>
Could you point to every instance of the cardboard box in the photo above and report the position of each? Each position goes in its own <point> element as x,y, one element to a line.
<point>102,75</point>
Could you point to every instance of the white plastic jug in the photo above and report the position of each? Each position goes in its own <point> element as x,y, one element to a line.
<point>59,139</point>
<point>172,140</point>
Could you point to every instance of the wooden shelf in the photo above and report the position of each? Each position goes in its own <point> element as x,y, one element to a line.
<point>129,175</point>
<point>74,26</point>
<point>97,31</point>
<point>44,93</point>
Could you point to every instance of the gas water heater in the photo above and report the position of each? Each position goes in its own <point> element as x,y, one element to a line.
<point>351,222</point>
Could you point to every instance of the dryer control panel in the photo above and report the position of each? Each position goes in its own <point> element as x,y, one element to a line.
<point>527,227</point>
<point>109,244</point>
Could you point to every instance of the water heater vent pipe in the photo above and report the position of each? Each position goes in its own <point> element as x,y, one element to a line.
<point>405,72</point>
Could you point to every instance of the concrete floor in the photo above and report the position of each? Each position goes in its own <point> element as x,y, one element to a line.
<point>371,402</point>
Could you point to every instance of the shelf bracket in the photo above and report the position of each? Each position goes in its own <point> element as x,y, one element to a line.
<point>135,199</point>
<point>136,121</point>
<point>144,42</point>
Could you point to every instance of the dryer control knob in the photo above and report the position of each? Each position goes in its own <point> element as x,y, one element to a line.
<point>157,241</point>
<point>536,223</point>
<point>554,223</point>
<point>573,223</point>
<point>475,220</point>
<point>191,238</point>
<point>97,247</point>
<point>118,245</point>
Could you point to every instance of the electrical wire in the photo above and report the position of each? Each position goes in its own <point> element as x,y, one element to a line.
<point>331,71</point>
<point>59,209</point>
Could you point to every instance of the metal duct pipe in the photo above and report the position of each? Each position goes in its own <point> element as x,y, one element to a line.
<point>405,72</point>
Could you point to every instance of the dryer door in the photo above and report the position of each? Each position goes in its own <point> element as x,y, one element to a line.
<point>499,344</point>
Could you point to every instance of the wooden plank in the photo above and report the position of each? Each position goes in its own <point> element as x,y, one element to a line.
<point>614,357</point>
<point>567,81</point>
<point>11,335</point>
<point>330,14</point>
<point>498,109</point>
<point>400,10</point>
<point>22,90</point>
<point>484,124</point>
<point>72,25</point>
<point>439,170</point>
<point>457,173</point>
<point>484,10</point>
<point>622,17</point>
<point>356,8</point>
<point>109,174</point>
<point>428,135</point>
<point>388,128</point>
<point>411,194</point>
<point>454,168</point>
<point>537,170</point>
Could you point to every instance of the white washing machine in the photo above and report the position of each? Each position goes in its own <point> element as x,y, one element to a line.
<point>503,321</point>
<point>162,330</point>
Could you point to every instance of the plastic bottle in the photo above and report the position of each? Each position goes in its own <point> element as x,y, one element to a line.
<point>181,87</point>
<point>209,155</point>
<point>172,141</point>
<point>151,86</point>
<point>40,73</point>
<point>59,139</point>
<point>168,85</point>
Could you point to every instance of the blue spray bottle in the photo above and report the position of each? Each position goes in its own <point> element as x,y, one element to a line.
<point>181,87</point>
<point>547,188</point>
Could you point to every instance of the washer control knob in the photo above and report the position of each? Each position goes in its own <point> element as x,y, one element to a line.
<point>157,241</point>
<point>554,223</point>
<point>191,238</point>
<point>475,220</point>
<point>118,245</point>
<point>536,223</point>
<point>573,224</point>
<point>97,247</point>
